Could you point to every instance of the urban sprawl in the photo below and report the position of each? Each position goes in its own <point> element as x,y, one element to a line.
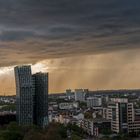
<point>98,113</point>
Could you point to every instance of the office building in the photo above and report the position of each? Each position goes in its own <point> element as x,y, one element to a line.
<point>117,114</point>
<point>79,95</point>
<point>24,95</point>
<point>31,96</point>
<point>124,117</point>
<point>41,99</point>
<point>133,120</point>
<point>69,94</point>
<point>94,101</point>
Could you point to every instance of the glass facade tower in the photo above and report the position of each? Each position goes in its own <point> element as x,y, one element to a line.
<point>24,95</point>
<point>41,99</point>
<point>31,96</point>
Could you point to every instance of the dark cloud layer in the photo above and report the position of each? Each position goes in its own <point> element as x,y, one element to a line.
<point>100,38</point>
<point>33,30</point>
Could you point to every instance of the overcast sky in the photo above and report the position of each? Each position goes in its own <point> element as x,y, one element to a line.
<point>82,43</point>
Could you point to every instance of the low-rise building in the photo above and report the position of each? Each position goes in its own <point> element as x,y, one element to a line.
<point>67,105</point>
<point>94,101</point>
<point>78,116</point>
<point>80,95</point>
<point>69,94</point>
<point>95,126</point>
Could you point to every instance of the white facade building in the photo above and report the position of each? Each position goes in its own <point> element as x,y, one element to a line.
<point>94,101</point>
<point>66,105</point>
<point>79,95</point>
<point>133,119</point>
<point>79,116</point>
<point>117,114</point>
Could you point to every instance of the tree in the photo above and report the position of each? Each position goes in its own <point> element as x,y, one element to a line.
<point>56,131</point>
<point>53,136</point>
<point>88,115</point>
<point>82,105</point>
<point>106,131</point>
<point>75,129</point>
<point>105,138</point>
<point>13,126</point>
<point>32,135</point>
<point>75,137</point>
<point>11,135</point>
<point>62,131</point>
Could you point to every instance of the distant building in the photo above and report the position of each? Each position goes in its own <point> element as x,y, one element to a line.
<point>69,94</point>
<point>105,100</point>
<point>79,95</point>
<point>31,96</point>
<point>94,101</point>
<point>67,105</point>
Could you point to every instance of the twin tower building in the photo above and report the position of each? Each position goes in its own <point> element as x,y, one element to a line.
<point>31,96</point>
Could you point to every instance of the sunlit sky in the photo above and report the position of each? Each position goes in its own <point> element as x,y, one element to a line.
<point>91,44</point>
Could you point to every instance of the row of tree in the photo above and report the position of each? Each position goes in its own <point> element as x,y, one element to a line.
<point>54,131</point>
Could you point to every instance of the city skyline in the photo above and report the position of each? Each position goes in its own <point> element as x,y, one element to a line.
<point>82,44</point>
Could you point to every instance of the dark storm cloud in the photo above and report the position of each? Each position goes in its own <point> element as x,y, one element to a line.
<point>36,30</point>
<point>16,35</point>
<point>33,30</point>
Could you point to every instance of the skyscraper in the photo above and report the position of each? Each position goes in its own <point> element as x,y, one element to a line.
<point>32,96</point>
<point>41,99</point>
<point>24,94</point>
